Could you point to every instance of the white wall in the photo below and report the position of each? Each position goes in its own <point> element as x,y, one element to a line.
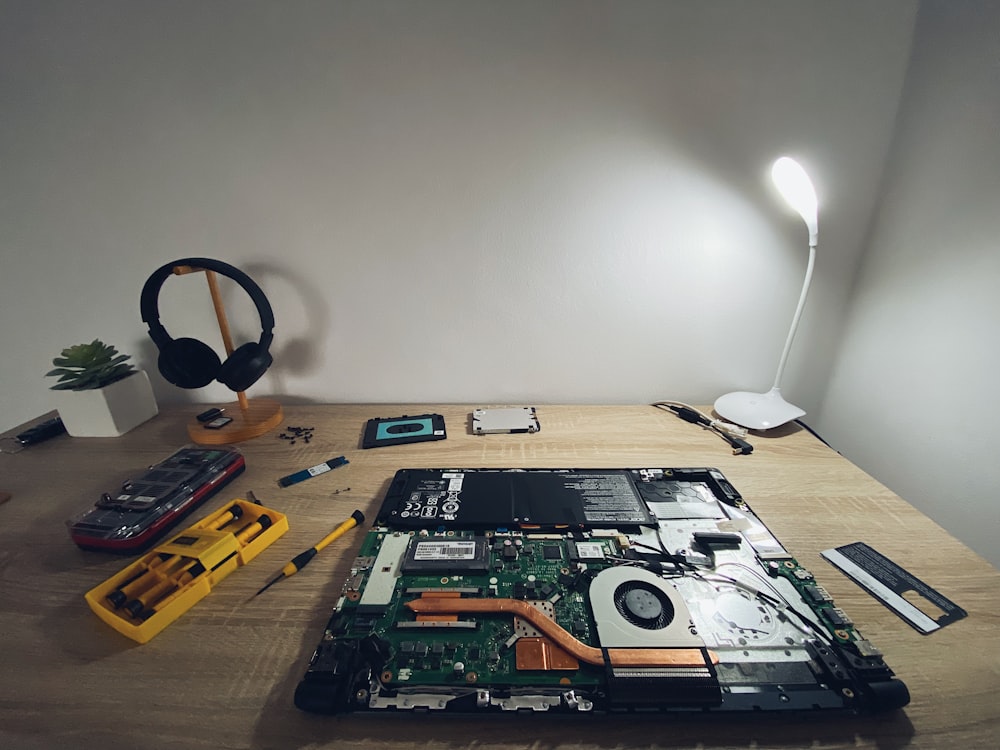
<point>913,397</point>
<point>525,202</point>
<point>445,201</point>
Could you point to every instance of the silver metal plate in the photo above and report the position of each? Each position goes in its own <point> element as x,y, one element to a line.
<point>514,419</point>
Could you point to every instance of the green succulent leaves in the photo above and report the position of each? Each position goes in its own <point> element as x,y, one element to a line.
<point>89,366</point>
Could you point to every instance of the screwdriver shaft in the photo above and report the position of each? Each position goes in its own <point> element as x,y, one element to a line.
<point>302,559</point>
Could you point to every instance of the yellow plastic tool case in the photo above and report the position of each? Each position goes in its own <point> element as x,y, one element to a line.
<point>143,598</point>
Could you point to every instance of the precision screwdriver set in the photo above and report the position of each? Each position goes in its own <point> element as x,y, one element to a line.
<point>143,598</point>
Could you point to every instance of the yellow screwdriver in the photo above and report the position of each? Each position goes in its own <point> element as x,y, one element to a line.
<point>302,559</point>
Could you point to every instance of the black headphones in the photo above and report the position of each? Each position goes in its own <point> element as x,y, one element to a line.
<point>190,363</point>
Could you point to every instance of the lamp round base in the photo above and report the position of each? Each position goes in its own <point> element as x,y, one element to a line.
<point>260,416</point>
<point>757,411</point>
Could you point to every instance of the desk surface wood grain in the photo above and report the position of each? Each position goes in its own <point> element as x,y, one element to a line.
<point>224,674</point>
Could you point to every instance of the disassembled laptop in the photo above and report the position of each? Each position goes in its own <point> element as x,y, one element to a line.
<point>579,590</point>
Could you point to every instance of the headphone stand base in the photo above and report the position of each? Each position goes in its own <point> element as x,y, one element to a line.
<point>260,415</point>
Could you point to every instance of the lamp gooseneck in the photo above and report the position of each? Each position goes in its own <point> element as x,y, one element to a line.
<point>795,318</point>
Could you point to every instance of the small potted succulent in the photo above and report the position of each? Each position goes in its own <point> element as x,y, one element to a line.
<point>99,393</point>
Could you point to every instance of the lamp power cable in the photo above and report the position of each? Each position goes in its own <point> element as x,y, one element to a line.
<point>731,433</point>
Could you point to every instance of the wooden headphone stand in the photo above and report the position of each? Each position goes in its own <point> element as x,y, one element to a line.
<point>251,417</point>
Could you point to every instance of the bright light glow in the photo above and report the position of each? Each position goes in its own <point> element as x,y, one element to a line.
<point>797,189</point>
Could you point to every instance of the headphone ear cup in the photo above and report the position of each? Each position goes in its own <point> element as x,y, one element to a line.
<point>244,367</point>
<point>188,363</point>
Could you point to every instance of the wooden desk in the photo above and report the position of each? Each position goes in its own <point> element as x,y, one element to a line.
<point>224,674</point>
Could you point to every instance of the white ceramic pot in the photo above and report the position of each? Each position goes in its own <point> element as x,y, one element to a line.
<point>110,411</point>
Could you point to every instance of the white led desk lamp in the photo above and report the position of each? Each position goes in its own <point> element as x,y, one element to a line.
<point>762,411</point>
